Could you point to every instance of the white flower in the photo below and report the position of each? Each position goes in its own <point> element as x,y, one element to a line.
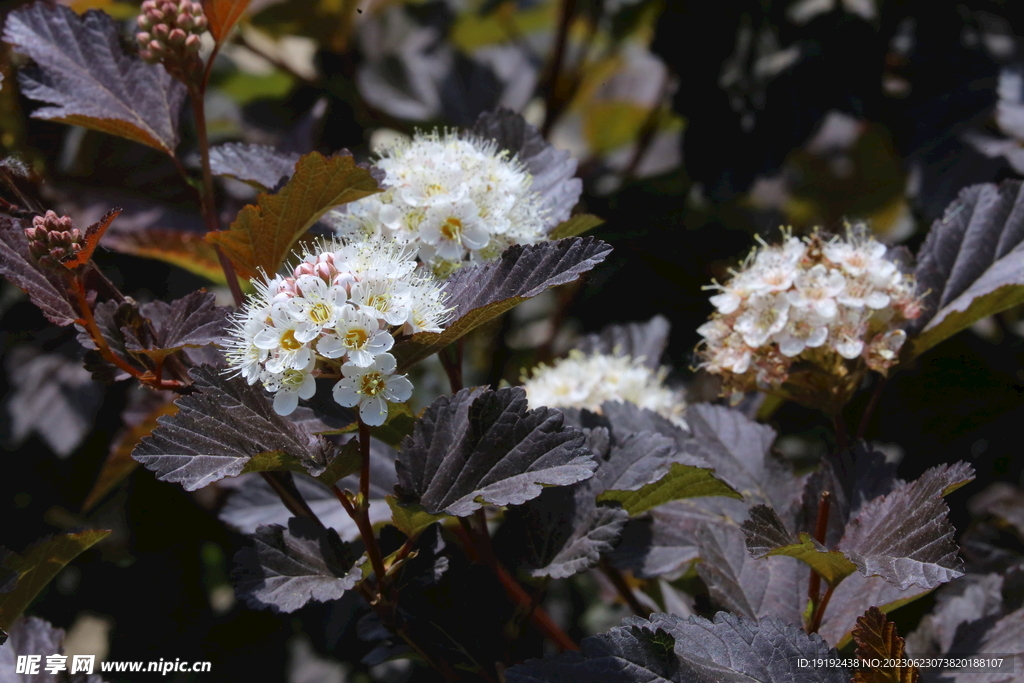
<point>286,339</point>
<point>815,291</point>
<point>833,297</point>
<point>242,354</point>
<point>357,335</point>
<point>452,198</point>
<point>588,380</point>
<point>387,300</point>
<point>344,304</point>
<point>289,386</point>
<point>454,229</point>
<point>802,332</point>
<point>371,388</point>
<point>317,302</point>
<point>765,315</point>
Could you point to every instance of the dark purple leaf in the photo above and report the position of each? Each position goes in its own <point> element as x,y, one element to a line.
<point>480,293</point>
<point>191,321</point>
<point>219,428</point>
<point>553,171</point>
<point>260,165</point>
<point>45,288</point>
<point>31,636</point>
<point>51,396</point>
<point>905,536</point>
<point>486,446</point>
<point>853,596</point>
<point>730,649</point>
<point>635,340</point>
<point>81,69</point>
<point>972,263</point>
<point>755,588</point>
<point>288,567</point>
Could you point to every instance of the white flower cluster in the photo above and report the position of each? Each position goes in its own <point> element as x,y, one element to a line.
<point>587,380</point>
<point>336,315</point>
<point>808,299</point>
<point>451,198</point>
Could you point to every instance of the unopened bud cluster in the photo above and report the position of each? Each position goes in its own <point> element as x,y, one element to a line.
<point>52,239</point>
<point>169,31</point>
<point>823,302</point>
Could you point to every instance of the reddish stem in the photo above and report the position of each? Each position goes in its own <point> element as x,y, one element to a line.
<point>619,581</point>
<point>519,597</point>
<point>820,531</point>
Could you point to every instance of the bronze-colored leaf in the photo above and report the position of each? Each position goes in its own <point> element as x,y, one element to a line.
<point>262,236</point>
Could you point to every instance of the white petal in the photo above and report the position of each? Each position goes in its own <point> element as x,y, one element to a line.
<point>398,389</point>
<point>345,393</point>
<point>330,346</point>
<point>285,402</point>
<point>268,338</point>
<point>308,387</point>
<point>386,363</point>
<point>373,411</point>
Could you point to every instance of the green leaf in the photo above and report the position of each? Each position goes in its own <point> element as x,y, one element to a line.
<point>411,520</point>
<point>262,236</point>
<point>681,481</point>
<point>577,225</point>
<point>346,462</point>
<point>767,535</point>
<point>397,426</point>
<point>831,565</point>
<point>37,567</point>
<point>273,461</point>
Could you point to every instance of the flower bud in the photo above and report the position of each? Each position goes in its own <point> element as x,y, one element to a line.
<point>176,38</point>
<point>161,31</point>
<point>193,43</point>
<point>52,238</point>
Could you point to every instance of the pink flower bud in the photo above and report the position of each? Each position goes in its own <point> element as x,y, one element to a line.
<point>201,23</point>
<point>176,37</point>
<point>193,43</point>
<point>144,22</point>
<point>143,37</point>
<point>185,22</point>
<point>156,47</point>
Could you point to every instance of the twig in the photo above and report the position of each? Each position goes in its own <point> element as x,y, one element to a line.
<point>296,505</point>
<point>619,581</point>
<point>519,597</point>
<point>88,321</point>
<point>208,200</point>
<point>451,360</point>
<point>839,425</point>
<point>820,531</point>
<point>552,102</point>
<point>869,409</point>
<point>360,510</point>
<point>819,610</point>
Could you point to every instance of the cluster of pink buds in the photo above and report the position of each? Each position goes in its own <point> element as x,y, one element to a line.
<point>52,239</point>
<point>169,32</point>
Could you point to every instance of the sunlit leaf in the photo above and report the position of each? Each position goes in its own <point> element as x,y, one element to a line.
<point>37,566</point>
<point>81,69</point>
<point>262,236</point>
